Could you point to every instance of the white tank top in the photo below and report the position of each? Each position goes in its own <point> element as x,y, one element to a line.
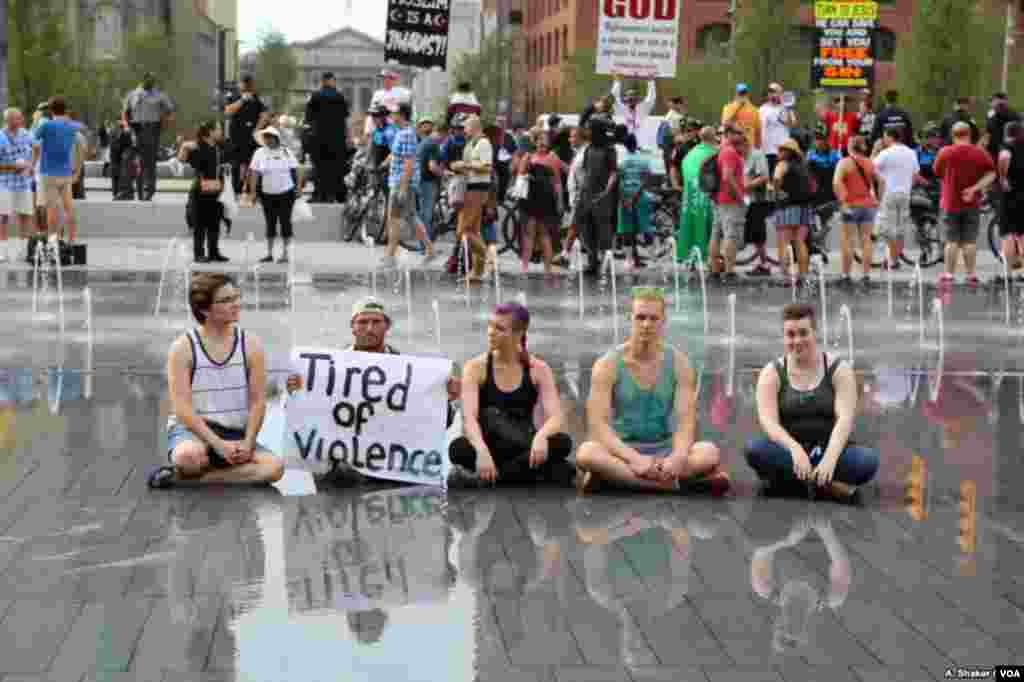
<point>220,391</point>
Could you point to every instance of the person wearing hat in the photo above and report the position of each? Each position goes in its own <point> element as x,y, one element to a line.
<point>388,97</point>
<point>146,108</point>
<point>893,115</point>
<point>370,324</point>
<point>327,113</point>
<point>463,101</point>
<point>275,177</point>
<point>630,107</point>
<point>247,114</point>
<point>793,215</point>
<point>742,113</point>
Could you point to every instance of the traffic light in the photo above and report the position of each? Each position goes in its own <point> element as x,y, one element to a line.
<point>916,489</point>
<point>967,538</point>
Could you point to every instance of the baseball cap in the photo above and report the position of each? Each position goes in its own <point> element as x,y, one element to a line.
<point>424,119</point>
<point>742,88</point>
<point>694,124</point>
<point>43,106</point>
<point>774,87</point>
<point>369,304</point>
<point>388,73</point>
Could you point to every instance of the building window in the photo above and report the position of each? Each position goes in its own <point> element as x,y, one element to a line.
<point>713,39</point>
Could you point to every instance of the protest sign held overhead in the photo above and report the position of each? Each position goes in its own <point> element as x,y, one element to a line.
<point>384,415</point>
<point>844,46</point>
<point>638,38</point>
<point>417,33</point>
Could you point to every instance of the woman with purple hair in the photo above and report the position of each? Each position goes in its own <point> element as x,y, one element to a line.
<point>501,392</point>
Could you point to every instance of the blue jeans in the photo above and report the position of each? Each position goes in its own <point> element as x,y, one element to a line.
<point>426,197</point>
<point>773,463</point>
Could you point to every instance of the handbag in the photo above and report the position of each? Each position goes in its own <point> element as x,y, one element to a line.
<point>507,432</point>
<point>302,212</point>
<point>457,191</point>
<point>520,188</point>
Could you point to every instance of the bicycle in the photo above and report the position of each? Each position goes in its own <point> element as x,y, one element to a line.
<point>364,212</point>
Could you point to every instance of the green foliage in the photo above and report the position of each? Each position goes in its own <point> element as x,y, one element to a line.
<point>277,68</point>
<point>952,49</point>
<point>488,72</point>
<point>42,61</point>
<point>767,38</point>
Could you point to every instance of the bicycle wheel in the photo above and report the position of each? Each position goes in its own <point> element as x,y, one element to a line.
<point>665,224</point>
<point>928,247</point>
<point>374,223</point>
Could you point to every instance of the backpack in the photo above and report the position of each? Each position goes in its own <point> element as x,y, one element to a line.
<point>710,178</point>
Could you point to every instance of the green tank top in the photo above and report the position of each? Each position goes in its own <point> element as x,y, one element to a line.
<point>641,415</point>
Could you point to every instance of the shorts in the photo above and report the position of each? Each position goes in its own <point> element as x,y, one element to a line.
<point>796,215</point>
<point>661,450</point>
<point>729,223</point>
<point>404,212</point>
<point>490,233</point>
<point>962,227</point>
<point>16,203</point>
<point>54,188</point>
<point>177,434</point>
<point>859,215</point>
<point>893,217</point>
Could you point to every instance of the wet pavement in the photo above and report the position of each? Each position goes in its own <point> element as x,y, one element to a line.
<point>101,579</point>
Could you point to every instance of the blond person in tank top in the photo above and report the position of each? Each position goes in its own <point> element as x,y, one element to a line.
<point>642,413</point>
<point>216,376</point>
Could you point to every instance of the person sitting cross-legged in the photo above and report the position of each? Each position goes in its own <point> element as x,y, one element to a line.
<point>637,391</point>
<point>216,376</point>
<point>806,403</point>
<point>501,391</point>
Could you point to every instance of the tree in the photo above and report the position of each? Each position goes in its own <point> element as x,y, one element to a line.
<point>487,70</point>
<point>767,37</point>
<point>41,60</point>
<point>947,53</point>
<point>277,68</point>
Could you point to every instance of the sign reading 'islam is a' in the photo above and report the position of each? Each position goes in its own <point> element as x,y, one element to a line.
<point>417,33</point>
<point>384,415</point>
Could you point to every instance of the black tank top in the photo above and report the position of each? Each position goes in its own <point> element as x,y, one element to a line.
<point>808,416</point>
<point>521,401</point>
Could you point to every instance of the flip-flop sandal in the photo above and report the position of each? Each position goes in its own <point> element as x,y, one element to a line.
<point>162,477</point>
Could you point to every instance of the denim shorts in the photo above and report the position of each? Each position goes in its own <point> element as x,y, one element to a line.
<point>859,215</point>
<point>177,434</point>
<point>962,227</point>
<point>662,449</point>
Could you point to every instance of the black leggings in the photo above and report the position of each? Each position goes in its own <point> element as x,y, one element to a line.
<point>514,468</point>
<point>277,208</point>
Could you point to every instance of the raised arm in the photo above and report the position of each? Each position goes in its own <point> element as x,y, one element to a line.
<point>647,106</point>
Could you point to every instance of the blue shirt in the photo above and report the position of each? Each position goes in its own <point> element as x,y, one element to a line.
<point>57,141</point>
<point>429,150</point>
<point>403,149</point>
<point>632,169</point>
<point>385,136</point>
<point>12,148</point>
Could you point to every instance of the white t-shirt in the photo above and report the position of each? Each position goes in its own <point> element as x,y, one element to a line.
<point>478,152</point>
<point>773,131</point>
<point>275,167</point>
<point>897,166</point>
<point>388,99</point>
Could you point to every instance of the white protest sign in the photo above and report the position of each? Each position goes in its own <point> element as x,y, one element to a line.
<point>382,414</point>
<point>638,38</point>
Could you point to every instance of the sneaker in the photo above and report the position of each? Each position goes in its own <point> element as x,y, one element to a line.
<point>387,263</point>
<point>714,277</point>
<point>895,265</point>
<point>460,477</point>
<point>267,259</point>
<point>283,258</point>
<point>973,281</point>
<point>945,278</point>
<point>865,280</point>
<point>630,265</point>
<point>562,261</point>
<point>788,281</point>
<point>759,271</point>
<point>731,278</point>
<point>846,280</point>
<point>639,263</point>
<point>219,258</point>
<point>452,265</point>
<point>162,477</point>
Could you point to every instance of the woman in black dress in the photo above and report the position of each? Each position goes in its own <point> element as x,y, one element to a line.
<point>204,155</point>
<point>1011,179</point>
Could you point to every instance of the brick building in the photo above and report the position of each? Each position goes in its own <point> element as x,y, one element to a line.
<point>553,29</point>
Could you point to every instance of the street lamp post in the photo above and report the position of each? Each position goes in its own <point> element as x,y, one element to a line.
<point>1011,28</point>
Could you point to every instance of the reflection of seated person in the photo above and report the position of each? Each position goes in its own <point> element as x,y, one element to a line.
<point>637,391</point>
<point>636,557</point>
<point>216,375</point>
<point>367,625</point>
<point>501,391</point>
<point>800,596</point>
<point>806,403</point>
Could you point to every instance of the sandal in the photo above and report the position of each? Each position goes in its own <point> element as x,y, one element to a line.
<point>162,477</point>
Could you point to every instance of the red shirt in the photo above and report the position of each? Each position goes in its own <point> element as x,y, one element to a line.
<point>835,140</point>
<point>960,166</point>
<point>728,157</point>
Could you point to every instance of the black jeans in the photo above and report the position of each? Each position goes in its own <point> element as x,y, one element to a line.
<point>277,210</point>
<point>148,135</point>
<point>206,232</point>
<point>516,468</point>
<point>330,161</point>
<point>241,156</point>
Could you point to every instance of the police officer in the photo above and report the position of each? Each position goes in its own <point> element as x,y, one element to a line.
<point>146,109</point>
<point>248,114</point>
<point>327,113</point>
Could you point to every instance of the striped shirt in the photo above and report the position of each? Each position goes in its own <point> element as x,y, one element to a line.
<point>220,390</point>
<point>13,147</point>
<point>403,148</point>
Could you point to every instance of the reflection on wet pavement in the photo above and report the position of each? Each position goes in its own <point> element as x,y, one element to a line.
<point>104,580</point>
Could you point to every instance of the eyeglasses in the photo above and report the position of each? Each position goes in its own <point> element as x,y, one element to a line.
<point>230,299</point>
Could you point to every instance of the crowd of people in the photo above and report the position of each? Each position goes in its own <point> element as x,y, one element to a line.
<point>641,411</point>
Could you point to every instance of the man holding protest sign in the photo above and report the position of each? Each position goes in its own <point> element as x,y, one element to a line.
<point>501,391</point>
<point>216,376</point>
<point>370,325</point>
<point>638,393</point>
